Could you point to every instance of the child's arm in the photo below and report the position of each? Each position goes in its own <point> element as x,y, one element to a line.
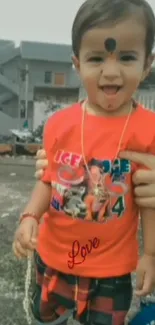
<point>26,234</point>
<point>146,266</point>
<point>40,200</point>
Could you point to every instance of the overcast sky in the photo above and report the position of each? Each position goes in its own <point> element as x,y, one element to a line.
<point>39,20</point>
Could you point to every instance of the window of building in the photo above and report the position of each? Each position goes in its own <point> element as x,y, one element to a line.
<point>48,77</point>
<point>59,79</point>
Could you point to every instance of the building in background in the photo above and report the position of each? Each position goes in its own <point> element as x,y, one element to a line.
<point>38,78</point>
<point>34,75</point>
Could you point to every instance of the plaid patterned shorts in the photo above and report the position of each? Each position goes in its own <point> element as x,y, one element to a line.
<point>91,301</point>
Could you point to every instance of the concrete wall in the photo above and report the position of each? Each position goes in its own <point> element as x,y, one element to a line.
<point>7,123</point>
<point>11,69</point>
<point>37,71</point>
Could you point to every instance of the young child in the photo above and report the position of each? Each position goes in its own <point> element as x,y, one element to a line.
<point>86,248</point>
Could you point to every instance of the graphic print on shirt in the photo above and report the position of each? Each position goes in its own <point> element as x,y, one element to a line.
<point>74,192</point>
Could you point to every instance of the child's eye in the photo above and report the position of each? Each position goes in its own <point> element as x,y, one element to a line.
<point>95,59</point>
<point>127,58</point>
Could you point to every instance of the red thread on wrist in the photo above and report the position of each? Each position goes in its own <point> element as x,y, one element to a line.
<point>29,215</point>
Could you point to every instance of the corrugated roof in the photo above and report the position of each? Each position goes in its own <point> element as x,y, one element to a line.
<point>46,51</point>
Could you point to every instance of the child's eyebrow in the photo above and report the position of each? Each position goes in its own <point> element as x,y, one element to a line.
<point>128,52</point>
<point>94,53</point>
<point>101,53</point>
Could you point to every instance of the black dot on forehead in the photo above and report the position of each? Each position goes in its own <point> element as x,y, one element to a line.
<point>110,44</point>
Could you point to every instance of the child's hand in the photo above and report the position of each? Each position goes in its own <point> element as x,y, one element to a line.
<point>41,163</point>
<point>145,276</point>
<point>25,239</point>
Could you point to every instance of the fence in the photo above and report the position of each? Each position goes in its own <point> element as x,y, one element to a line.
<point>146,98</point>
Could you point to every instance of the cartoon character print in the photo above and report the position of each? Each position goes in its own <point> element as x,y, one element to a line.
<point>73,202</point>
<point>79,200</point>
<point>98,208</point>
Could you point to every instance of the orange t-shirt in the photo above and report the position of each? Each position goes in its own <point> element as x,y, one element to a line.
<point>80,235</point>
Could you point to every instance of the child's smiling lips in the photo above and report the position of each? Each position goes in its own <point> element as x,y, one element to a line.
<point>110,89</point>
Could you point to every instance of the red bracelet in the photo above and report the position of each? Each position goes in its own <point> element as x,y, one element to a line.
<point>29,215</point>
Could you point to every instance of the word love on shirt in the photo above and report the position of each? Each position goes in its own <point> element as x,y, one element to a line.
<point>79,252</point>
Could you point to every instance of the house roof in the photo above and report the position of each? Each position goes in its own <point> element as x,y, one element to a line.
<point>35,51</point>
<point>46,51</point>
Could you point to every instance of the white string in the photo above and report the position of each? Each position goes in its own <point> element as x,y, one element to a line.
<point>26,301</point>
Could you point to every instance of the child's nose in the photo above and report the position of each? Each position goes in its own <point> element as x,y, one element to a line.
<point>110,70</point>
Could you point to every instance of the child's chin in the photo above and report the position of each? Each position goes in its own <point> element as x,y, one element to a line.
<point>110,107</point>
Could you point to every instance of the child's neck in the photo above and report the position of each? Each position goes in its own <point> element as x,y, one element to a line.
<point>99,111</point>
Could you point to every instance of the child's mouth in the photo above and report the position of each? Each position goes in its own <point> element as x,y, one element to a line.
<point>111,89</point>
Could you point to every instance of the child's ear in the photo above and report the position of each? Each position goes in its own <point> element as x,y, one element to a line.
<point>148,66</point>
<point>76,63</point>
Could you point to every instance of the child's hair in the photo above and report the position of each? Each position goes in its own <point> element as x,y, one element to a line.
<point>97,13</point>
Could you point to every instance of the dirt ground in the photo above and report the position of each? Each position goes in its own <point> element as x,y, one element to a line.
<point>16,182</point>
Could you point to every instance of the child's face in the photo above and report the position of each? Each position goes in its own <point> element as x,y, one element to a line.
<point>111,79</point>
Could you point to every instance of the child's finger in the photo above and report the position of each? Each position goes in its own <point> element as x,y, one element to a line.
<point>34,240</point>
<point>34,235</point>
<point>24,237</point>
<point>139,279</point>
<point>149,284</point>
<point>38,174</point>
<point>140,293</point>
<point>23,250</point>
<point>18,250</point>
<point>33,243</point>
<point>25,244</point>
<point>41,154</point>
<point>16,253</point>
<point>147,287</point>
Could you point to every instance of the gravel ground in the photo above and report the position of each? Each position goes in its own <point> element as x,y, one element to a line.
<point>15,187</point>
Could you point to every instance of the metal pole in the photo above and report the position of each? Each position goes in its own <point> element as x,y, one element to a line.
<point>19,99</point>
<point>26,90</point>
